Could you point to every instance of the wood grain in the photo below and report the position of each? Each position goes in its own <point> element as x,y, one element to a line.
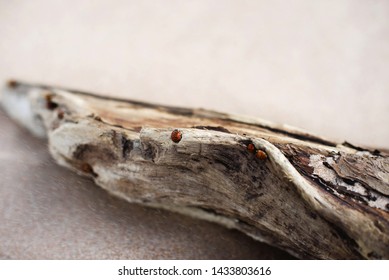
<point>310,196</point>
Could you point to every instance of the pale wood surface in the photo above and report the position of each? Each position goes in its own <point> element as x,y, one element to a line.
<point>304,194</point>
<point>48,212</point>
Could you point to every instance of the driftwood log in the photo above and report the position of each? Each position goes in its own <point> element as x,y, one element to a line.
<point>309,196</point>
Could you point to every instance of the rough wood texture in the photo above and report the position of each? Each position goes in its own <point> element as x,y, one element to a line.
<point>304,194</point>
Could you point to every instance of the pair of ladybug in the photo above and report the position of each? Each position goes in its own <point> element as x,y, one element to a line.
<point>258,153</point>
<point>176,137</point>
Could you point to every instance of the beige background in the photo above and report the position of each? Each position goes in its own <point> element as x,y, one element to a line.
<point>319,65</point>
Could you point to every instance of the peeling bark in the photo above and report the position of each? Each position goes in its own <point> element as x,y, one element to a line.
<point>310,196</point>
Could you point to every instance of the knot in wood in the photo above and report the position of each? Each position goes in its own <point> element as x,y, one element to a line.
<point>49,102</point>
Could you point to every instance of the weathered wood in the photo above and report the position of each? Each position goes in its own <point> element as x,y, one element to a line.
<point>299,192</point>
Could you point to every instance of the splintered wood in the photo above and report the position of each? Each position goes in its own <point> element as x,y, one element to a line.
<point>307,195</point>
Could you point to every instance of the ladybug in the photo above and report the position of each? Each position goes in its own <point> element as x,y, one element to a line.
<point>251,148</point>
<point>176,136</point>
<point>258,153</point>
<point>261,155</point>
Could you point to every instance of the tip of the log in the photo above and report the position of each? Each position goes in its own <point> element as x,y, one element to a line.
<point>12,83</point>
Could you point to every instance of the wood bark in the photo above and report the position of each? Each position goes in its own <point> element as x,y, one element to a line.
<point>307,195</point>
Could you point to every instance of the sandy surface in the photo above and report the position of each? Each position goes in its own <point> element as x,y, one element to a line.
<point>319,65</point>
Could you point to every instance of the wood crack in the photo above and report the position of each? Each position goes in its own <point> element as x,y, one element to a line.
<point>291,189</point>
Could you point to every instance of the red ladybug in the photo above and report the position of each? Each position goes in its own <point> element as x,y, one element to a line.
<point>176,136</point>
<point>251,148</point>
<point>261,155</point>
